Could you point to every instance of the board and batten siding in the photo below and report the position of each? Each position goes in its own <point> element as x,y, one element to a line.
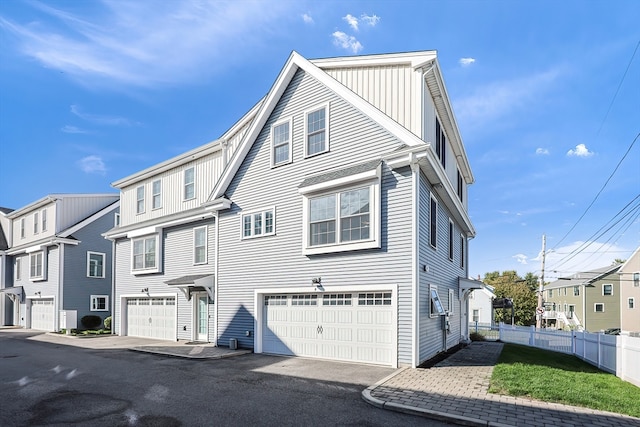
<point>71,210</point>
<point>78,288</point>
<point>277,261</point>
<point>389,88</point>
<point>177,261</point>
<point>48,288</point>
<point>442,272</point>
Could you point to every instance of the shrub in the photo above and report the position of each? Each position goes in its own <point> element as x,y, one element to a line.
<point>475,336</point>
<point>91,321</point>
<point>107,323</point>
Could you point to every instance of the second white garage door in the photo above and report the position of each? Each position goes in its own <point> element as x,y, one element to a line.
<point>42,314</point>
<point>355,327</point>
<point>152,318</point>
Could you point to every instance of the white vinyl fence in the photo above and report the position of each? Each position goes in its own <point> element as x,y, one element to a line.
<point>618,354</point>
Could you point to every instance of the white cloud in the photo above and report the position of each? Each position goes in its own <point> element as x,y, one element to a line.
<point>521,258</point>
<point>352,21</point>
<point>100,119</point>
<point>92,164</point>
<point>542,151</point>
<point>465,62</point>
<point>72,129</point>
<point>307,18</point>
<point>581,150</point>
<point>346,41</point>
<point>370,20</point>
<point>144,43</point>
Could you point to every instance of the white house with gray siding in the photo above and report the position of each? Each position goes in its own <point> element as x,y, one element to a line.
<point>342,218</point>
<point>59,261</point>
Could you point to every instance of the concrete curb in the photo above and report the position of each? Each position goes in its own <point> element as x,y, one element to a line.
<point>189,356</point>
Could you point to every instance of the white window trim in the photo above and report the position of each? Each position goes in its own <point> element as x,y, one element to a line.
<point>140,209</point>
<point>17,269</point>
<point>271,209</point>
<point>596,304</point>
<point>451,305</point>
<point>289,143</point>
<point>636,283</point>
<point>463,253</point>
<point>185,184</point>
<point>375,239</point>
<point>143,270</point>
<point>36,222</point>
<point>158,194</point>
<point>326,129</point>
<point>94,299</point>
<point>43,218</point>
<point>607,284</point>
<point>42,276</point>
<point>22,228</point>
<point>116,219</point>
<point>206,245</point>
<point>631,300</point>
<point>104,261</point>
<point>432,301</point>
<point>433,230</point>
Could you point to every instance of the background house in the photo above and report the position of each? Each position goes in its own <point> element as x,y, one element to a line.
<point>6,306</point>
<point>630,295</point>
<point>480,306</point>
<point>587,301</point>
<point>59,260</point>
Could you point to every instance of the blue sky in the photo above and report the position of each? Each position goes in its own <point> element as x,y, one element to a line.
<point>546,94</point>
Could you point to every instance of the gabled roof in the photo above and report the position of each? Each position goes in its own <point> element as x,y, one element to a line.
<point>52,198</point>
<point>88,220</point>
<point>293,64</point>
<point>632,264</point>
<point>584,278</point>
<point>5,211</point>
<point>4,244</point>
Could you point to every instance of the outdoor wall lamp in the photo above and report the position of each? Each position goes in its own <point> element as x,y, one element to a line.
<point>38,293</point>
<point>145,290</point>
<point>316,281</point>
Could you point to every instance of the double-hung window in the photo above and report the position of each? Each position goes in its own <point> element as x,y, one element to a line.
<point>156,194</point>
<point>22,226</point>
<point>189,183</point>
<point>576,291</point>
<point>36,265</point>
<point>145,254</point>
<point>441,144</point>
<point>433,222</point>
<point>631,303</point>
<point>18,268</point>
<point>316,126</point>
<point>460,186</point>
<point>463,252</point>
<point>344,219</point>
<point>99,303</point>
<point>44,220</point>
<point>261,223</point>
<point>636,279</point>
<point>140,199</point>
<point>451,240</point>
<point>200,245</point>
<point>36,223</point>
<point>607,289</point>
<point>281,142</point>
<point>95,264</point>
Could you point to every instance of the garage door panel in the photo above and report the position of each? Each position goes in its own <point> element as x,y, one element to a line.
<point>43,315</point>
<point>152,317</point>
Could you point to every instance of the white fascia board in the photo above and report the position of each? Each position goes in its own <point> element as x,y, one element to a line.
<point>31,206</point>
<point>416,59</point>
<point>406,157</point>
<point>39,246</point>
<point>156,228</point>
<point>87,221</point>
<point>218,204</point>
<point>362,176</point>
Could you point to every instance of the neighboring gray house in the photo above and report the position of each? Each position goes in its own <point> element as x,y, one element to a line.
<point>343,222</point>
<point>630,295</point>
<point>59,260</point>
<point>6,306</point>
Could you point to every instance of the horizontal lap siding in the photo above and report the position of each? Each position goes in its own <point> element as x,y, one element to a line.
<point>277,261</point>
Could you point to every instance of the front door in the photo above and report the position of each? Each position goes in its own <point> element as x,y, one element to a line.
<point>202,317</point>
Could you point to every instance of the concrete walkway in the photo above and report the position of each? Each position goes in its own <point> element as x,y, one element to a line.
<point>456,390</point>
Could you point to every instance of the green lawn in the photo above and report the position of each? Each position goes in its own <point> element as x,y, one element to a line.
<point>557,377</point>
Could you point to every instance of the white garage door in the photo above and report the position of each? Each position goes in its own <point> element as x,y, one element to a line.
<point>356,327</point>
<point>152,318</point>
<point>42,314</point>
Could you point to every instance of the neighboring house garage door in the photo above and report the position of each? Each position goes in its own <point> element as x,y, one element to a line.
<point>42,314</point>
<point>152,317</point>
<point>355,327</point>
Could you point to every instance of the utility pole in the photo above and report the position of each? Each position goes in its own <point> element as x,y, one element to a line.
<point>540,310</point>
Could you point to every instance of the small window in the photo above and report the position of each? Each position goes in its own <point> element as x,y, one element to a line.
<point>436,307</point>
<point>598,307</point>
<point>441,144</point>
<point>99,303</point>
<point>36,223</point>
<point>281,143</point>
<point>463,252</point>
<point>304,299</point>
<point>140,199</point>
<point>450,240</point>
<point>607,289</point>
<point>550,293</point>
<point>22,226</point>
<point>374,298</point>
<point>116,219</point>
<point>36,265</point>
<point>275,300</point>
<point>95,264</point>
<point>636,279</point>
<point>145,253</point>
<point>18,268</point>
<point>631,303</point>
<point>156,194</point>
<point>433,235</point>
<point>189,184</point>
<point>44,219</point>
<point>460,186</point>
<point>476,315</point>
<point>200,245</point>
<point>452,300</point>
<point>256,224</point>
<point>336,299</point>
<point>576,291</point>
<point>317,131</point>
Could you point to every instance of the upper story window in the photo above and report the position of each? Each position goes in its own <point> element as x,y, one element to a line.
<point>36,223</point>
<point>450,240</point>
<point>631,303</point>
<point>462,250</point>
<point>140,199</point>
<point>316,126</point>
<point>22,226</point>
<point>146,254</point>
<point>607,289</point>
<point>256,224</point>
<point>189,183</point>
<point>441,144</point>
<point>18,268</point>
<point>116,219</point>
<point>281,143</point>
<point>460,186</point>
<point>44,220</point>
<point>346,219</point>
<point>636,279</point>
<point>156,194</point>
<point>200,245</point>
<point>550,293</point>
<point>36,265</point>
<point>576,291</point>
<point>95,264</point>
<point>598,307</point>
<point>433,222</point>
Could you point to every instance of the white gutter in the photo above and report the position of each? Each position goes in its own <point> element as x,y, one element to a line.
<point>415,256</point>
<point>215,278</point>
<point>60,304</point>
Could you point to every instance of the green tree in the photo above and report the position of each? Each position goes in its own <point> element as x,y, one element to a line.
<point>522,292</point>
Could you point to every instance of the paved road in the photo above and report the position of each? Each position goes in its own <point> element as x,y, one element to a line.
<point>55,384</point>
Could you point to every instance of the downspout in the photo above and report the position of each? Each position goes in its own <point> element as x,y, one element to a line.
<point>215,279</point>
<point>415,258</point>
<point>113,284</point>
<point>60,286</point>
